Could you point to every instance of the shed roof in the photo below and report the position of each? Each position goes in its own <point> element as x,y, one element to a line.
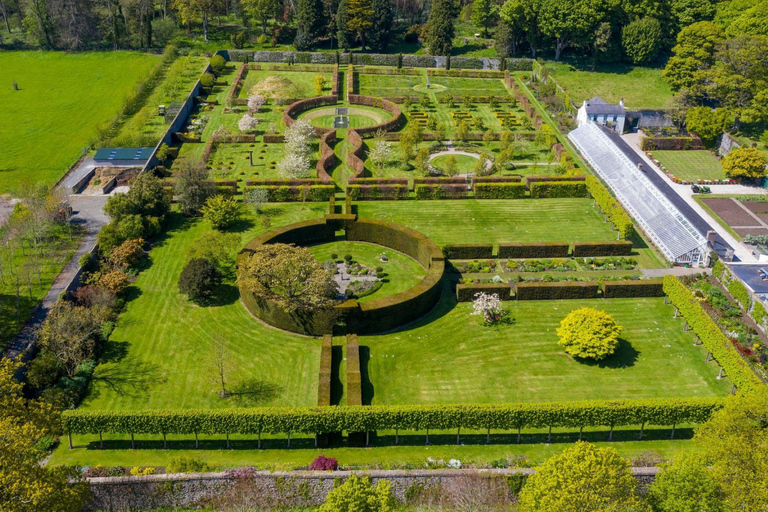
<point>598,105</point>
<point>109,154</point>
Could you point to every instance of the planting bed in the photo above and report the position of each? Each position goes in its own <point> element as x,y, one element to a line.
<point>742,217</point>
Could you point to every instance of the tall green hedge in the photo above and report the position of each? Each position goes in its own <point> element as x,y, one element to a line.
<point>611,207</point>
<point>499,190</point>
<point>468,251</point>
<point>711,336</point>
<point>558,189</point>
<point>534,250</point>
<point>354,377</point>
<point>326,363</point>
<point>283,194</point>
<point>633,288</point>
<point>467,292</point>
<point>318,420</point>
<point>556,291</point>
<point>596,249</point>
<point>740,293</point>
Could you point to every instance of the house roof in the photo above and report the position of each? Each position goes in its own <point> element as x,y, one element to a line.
<point>597,105</point>
<point>109,154</point>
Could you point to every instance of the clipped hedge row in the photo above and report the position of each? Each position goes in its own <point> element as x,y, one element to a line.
<point>440,191</point>
<point>398,119</point>
<point>355,157</point>
<point>292,110</point>
<point>534,250</point>
<point>285,194</point>
<point>440,181</point>
<point>535,179</point>
<point>611,207</point>
<point>633,288</point>
<point>468,251</point>
<point>376,192</point>
<point>740,293</point>
<point>467,292</point>
<point>670,143</point>
<point>354,377</point>
<point>556,291</point>
<point>711,336</point>
<point>553,189</point>
<point>318,420</point>
<point>224,187</point>
<point>298,182</point>
<point>495,179</point>
<point>594,249</point>
<point>324,382</point>
<point>378,181</point>
<point>327,155</point>
<point>500,191</point>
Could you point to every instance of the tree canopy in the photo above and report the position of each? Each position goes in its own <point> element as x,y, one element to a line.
<point>745,163</point>
<point>588,333</point>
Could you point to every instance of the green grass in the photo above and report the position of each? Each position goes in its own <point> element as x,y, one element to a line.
<point>450,357</point>
<point>691,165</point>
<point>158,356</point>
<point>303,80</point>
<point>464,164</point>
<point>62,99</point>
<point>402,272</point>
<point>640,87</point>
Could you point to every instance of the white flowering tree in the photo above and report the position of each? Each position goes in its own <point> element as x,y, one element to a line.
<point>294,166</point>
<point>247,123</point>
<point>380,153</point>
<point>298,138</point>
<point>255,103</point>
<point>490,307</point>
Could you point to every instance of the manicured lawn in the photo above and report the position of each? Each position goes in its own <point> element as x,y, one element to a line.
<point>450,357</point>
<point>304,81</point>
<point>640,87</point>
<point>159,354</point>
<point>62,99</point>
<point>464,163</point>
<point>402,272</point>
<point>691,165</point>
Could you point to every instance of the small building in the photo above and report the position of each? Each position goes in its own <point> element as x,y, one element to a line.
<point>603,113</point>
<point>123,157</point>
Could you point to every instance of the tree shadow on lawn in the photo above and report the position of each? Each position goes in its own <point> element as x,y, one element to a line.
<point>254,391</point>
<point>625,356</point>
<point>127,380</point>
<point>225,295</point>
<point>241,226</point>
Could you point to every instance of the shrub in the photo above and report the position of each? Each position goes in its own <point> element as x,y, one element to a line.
<point>611,207</point>
<point>556,291</point>
<point>745,163</point>
<point>207,80</point>
<point>323,463</point>
<point>633,288</point>
<point>221,211</point>
<point>740,293</point>
<point>184,464</point>
<point>468,251</point>
<point>499,191</point>
<point>558,189</point>
<point>358,494</point>
<point>534,250</point>
<point>115,281</point>
<point>218,63</point>
<point>128,254</point>
<point>199,279</point>
<point>467,292</point>
<point>589,334</point>
<point>439,191</point>
<point>591,249</point>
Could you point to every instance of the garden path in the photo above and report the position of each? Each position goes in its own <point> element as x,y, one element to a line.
<point>343,279</point>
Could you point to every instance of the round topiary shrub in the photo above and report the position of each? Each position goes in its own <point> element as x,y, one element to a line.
<point>589,334</point>
<point>199,279</point>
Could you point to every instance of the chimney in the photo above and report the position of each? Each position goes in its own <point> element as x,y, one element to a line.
<point>711,237</point>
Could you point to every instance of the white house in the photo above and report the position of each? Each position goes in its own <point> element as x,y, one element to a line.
<point>604,113</point>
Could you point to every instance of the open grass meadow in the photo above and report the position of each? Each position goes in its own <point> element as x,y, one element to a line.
<point>451,357</point>
<point>691,165</point>
<point>640,87</point>
<point>62,99</point>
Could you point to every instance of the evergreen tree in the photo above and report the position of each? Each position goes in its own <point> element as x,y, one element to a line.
<point>359,14</point>
<point>440,29</point>
<point>378,35</point>
<point>342,30</point>
<point>309,23</point>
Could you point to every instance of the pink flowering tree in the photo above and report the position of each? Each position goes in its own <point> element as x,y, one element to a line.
<point>247,123</point>
<point>490,307</point>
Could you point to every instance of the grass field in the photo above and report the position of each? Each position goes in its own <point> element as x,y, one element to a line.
<point>158,356</point>
<point>464,163</point>
<point>304,81</point>
<point>62,99</point>
<point>640,87</point>
<point>691,165</point>
<point>450,357</point>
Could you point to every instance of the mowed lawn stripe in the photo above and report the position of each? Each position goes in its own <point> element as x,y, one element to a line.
<point>449,357</point>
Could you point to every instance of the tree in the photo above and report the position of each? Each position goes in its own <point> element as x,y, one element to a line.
<point>288,275</point>
<point>262,10</point>
<point>581,479</point>
<point>255,102</point>
<point>380,153</point>
<point>221,211</point>
<point>256,198</point>
<point>523,19</point>
<point>733,443</point>
<point>299,137</point>
<point>199,279</point>
<point>567,22</point>
<point>319,84</point>
<point>440,29</point>
<point>642,40</point>
<point>381,25</point>
<point>451,167</point>
<point>490,307</point>
<point>440,132</point>
<point>28,486</point>
<point>588,333</point>
<point>294,166</point>
<point>193,188</point>
<point>128,254</point>
<point>359,495</point>
<point>693,54</point>
<point>422,160</point>
<point>247,123</point>
<point>462,131</point>
<point>685,485</point>
<point>137,214</point>
<point>189,9</point>
<point>218,249</point>
<point>708,124</point>
<point>601,42</point>
<point>342,31</point>
<point>483,14</point>
<point>746,163</point>
<point>309,23</point>
<point>688,12</point>
<point>116,281</point>
<point>359,15</point>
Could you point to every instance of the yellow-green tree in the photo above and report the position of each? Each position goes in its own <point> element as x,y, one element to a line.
<point>745,163</point>
<point>581,479</point>
<point>25,485</point>
<point>685,485</point>
<point>589,333</point>
<point>359,495</point>
<point>319,84</point>
<point>360,13</point>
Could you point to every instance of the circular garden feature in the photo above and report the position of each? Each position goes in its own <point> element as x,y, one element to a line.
<point>375,313</point>
<point>358,117</point>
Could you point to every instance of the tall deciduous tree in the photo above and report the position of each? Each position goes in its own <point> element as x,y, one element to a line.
<point>693,54</point>
<point>581,479</point>
<point>440,27</point>
<point>708,124</point>
<point>193,188</point>
<point>746,163</point>
<point>568,22</point>
<point>588,333</point>
<point>685,485</point>
<point>642,40</point>
<point>381,25</point>
<point>523,18</point>
<point>261,10</point>
<point>483,14</point>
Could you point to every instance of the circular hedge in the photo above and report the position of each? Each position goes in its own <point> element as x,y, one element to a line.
<point>378,315</point>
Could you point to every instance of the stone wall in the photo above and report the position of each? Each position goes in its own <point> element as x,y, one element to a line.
<point>727,143</point>
<point>290,489</point>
